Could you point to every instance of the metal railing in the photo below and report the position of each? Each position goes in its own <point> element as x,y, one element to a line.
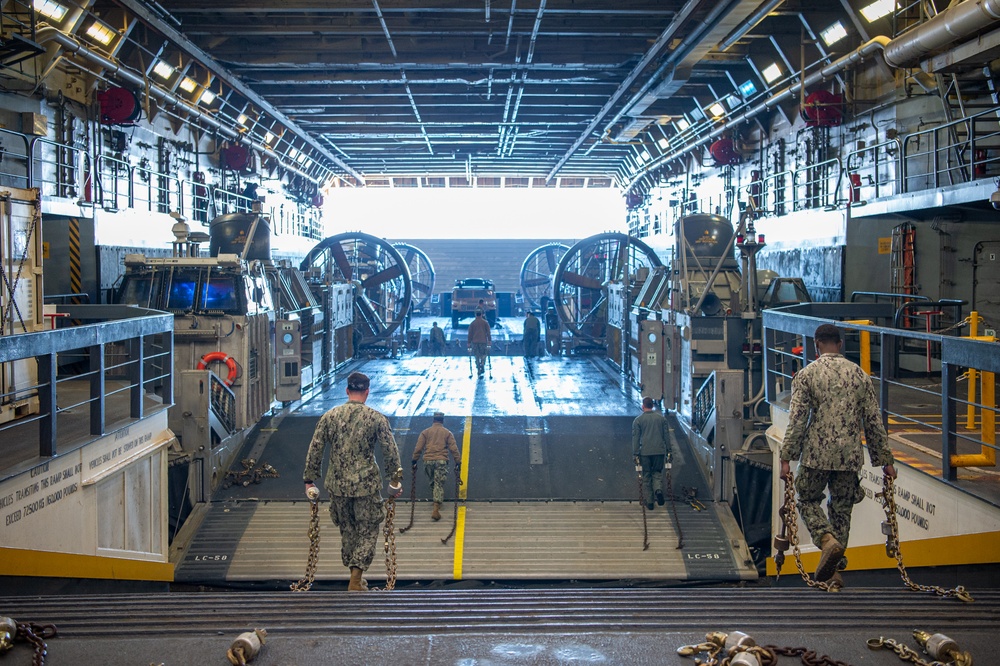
<point>791,328</point>
<point>873,171</point>
<point>119,354</point>
<point>961,151</point>
<point>817,185</point>
<point>114,183</point>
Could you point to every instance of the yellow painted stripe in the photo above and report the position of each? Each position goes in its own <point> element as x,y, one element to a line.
<point>459,543</point>
<point>20,562</point>
<point>953,550</point>
<point>463,493</point>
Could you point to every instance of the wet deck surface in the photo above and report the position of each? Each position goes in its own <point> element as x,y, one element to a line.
<point>551,489</point>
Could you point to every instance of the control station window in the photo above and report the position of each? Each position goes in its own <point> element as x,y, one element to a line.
<point>181,294</point>
<point>220,294</point>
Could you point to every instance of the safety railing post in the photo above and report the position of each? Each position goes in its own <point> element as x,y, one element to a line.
<point>949,440</point>
<point>47,405</point>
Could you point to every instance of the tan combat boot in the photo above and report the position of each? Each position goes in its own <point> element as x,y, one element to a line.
<point>832,551</point>
<point>436,513</point>
<point>357,584</point>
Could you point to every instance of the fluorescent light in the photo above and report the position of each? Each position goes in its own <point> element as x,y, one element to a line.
<point>683,124</point>
<point>301,158</point>
<point>187,85</point>
<point>268,138</point>
<point>101,33</point>
<point>293,153</point>
<point>733,101</point>
<point>747,88</point>
<point>878,9</point>
<point>163,70</point>
<point>717,110</point>
<point>241,119</point>
<point>663,143</point>
<point>207,96</point>
<point>833,34</point>
<point>645,156</point>
<point>50,9</point>
<point>771,73</point>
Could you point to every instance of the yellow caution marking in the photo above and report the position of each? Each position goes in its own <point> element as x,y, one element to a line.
<point>459,543</point>
<point>463,493</point>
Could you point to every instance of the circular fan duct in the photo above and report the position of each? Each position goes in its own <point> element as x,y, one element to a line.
<point>580,283</point>
<point>382,285</point>
<point>421,274</point>
<point>537,271</point>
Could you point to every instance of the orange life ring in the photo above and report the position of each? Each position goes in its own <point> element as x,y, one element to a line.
<point>230,362</point>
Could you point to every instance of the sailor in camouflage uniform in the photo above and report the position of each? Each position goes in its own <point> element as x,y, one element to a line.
<point>650,446</point>
<point>435,443</point>
<point>833,402</point>
<point>351,431</point>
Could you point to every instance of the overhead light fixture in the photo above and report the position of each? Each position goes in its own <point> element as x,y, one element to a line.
<point>268,137</point>
<point>293,152</point>
<point>241,119</point>
<point>878,9</point>
<point>101,33</point>
<point>663,143</point>
<point>50,10</point>
<point>645,156</point>
<point>683,124</point>
<point>747,89</point>
<point>207,96</point>
<point>301,158</point>
<point>833,34</point>
<point>187,85</point>
<point>771,73</point>
<point>163,70</point>
<point>717,110</point>
<point>732,101</point>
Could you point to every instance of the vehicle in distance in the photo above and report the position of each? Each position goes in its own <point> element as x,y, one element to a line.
<point>465,299</point>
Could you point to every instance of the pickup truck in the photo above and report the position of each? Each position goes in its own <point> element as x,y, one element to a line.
<point>465,299</point>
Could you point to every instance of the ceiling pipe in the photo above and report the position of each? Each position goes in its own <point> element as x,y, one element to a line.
<point>139,8</point>
<point>951,25</point>
<point>865,50</point>
<point>48,33</point>
<point>749,23</point>
<point>661,42</point>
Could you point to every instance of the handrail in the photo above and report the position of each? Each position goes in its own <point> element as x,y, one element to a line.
<point>143,338</point>
<point>821,182</point>
<point>887,294</point>
<point>793,327</point>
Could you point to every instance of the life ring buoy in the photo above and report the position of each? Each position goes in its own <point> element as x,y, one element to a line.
<point>230,362</point>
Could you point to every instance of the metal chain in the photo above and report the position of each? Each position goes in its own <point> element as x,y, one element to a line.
<point>390,545</point>
<point>250,475</point>
<point>673,506</point>
<point>905,653</point>
<point>888,498</point>
<point>789,515</point>
<point>806,656</point>
<point>454,515</point>
<point>642,505</point>
<point>413,501</point>
<point>36,634</point>
<point>235,656</point>
<point>306,583</point>
<point>715,645</point>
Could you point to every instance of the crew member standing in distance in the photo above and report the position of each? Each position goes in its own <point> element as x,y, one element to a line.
<point>833,402</point>
<point>480,339</point>
<point>351,432</point>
